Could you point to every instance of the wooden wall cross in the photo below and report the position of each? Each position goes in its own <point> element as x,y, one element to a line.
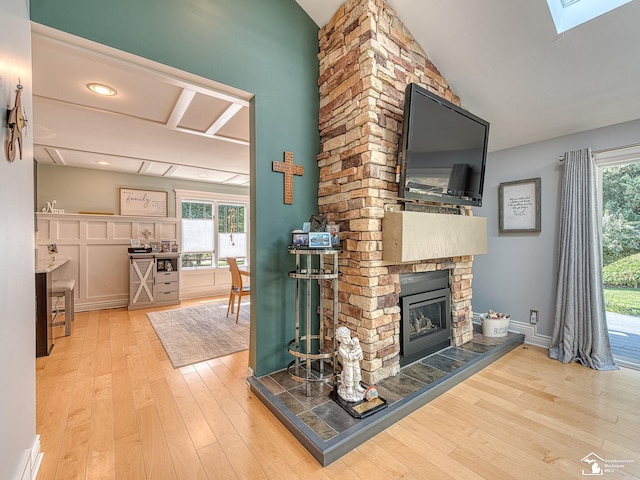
<point>289,169</point>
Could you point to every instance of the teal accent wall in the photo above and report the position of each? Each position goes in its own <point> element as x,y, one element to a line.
<point>268,48</point>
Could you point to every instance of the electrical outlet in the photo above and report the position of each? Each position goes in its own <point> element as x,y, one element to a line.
<point>533,316</point>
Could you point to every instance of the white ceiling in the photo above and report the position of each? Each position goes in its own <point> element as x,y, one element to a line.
<point>503,59</point>
<point>162,122</point>
<point>506,62</point>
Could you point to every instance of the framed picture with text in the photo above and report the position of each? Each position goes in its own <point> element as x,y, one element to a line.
<point>143,203</point>
<point>519,206</point>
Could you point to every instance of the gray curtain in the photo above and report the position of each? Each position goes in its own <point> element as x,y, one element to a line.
<point>580,331</point>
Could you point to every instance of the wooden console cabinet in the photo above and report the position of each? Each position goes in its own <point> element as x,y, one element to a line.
<point>154,279</point>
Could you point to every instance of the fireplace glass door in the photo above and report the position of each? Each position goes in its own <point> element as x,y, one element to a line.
<point>425,328</point>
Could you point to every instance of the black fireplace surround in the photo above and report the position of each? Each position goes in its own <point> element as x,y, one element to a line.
<point>425,309</point>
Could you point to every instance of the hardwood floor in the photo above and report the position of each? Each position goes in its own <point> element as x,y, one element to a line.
<point>110,405</point>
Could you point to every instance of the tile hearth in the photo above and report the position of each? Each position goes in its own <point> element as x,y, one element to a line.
<point>329,432</point>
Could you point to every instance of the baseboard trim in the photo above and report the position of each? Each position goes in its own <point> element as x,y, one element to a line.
<point>530,332</point>
<point>101,305</point>
<point>531,335</point>
<point>30,462</point>
<point>186,294</point>
<point>109,304</point>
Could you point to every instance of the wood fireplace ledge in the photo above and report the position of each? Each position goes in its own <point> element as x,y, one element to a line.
<point>414,236</point>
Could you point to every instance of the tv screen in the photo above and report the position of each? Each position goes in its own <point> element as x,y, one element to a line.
<point>442,152</point>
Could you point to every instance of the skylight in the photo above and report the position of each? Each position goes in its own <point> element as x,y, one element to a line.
<point>571,13</point>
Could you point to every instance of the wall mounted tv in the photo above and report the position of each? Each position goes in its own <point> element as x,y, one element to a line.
<point>442,151</point>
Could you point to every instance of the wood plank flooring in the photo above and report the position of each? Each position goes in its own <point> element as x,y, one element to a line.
<point>110,405</point>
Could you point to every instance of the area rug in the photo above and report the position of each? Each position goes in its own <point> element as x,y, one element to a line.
<point>195,334</point>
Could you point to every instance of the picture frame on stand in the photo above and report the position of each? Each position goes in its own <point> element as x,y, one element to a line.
<point>319,240</point>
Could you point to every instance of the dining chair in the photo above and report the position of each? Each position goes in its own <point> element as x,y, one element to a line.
<point>237,288</point>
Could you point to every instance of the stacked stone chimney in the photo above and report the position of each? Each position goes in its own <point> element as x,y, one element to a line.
<point>367,57</point>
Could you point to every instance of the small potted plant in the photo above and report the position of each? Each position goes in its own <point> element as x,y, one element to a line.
<point>495,324</point>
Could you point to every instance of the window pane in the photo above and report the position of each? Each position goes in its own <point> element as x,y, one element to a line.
<point>197,235</point>
<point>195,260</point>
<point>197,210</point>
<point>231,219</point>
<point>232,245</point>
<point>232,239</point>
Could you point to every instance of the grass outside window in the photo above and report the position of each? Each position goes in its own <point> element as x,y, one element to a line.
<point>625,301</point>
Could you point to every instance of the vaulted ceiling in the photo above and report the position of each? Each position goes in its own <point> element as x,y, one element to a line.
<point>508,65</point>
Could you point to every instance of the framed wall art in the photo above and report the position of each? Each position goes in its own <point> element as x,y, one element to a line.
<point>143,203</point>
<point>519,206</point>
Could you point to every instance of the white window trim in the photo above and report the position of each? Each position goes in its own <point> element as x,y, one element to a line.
<point>212,196</point>
<point>610,158</point>
<point>617,156</point>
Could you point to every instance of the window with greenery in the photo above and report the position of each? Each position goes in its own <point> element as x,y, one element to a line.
<point>201,220</point>
<point>232,236</point>
<point>621,238</point>
<point>621,211</point>
<point>198,227</point>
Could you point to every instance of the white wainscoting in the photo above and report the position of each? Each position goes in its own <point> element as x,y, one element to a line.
<point>205,282</point>
<point>96,246</point>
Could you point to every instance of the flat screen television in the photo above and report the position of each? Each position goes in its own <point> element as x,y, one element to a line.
<point>442,151</point>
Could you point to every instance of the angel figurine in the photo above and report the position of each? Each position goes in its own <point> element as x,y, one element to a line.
<point>350,353</point>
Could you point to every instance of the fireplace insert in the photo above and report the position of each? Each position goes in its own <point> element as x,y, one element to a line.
<point>425,325</point>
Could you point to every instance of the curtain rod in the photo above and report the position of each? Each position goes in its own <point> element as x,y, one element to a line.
<point>604,150</point>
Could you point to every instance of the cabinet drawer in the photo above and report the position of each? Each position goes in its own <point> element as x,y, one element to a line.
<point>166,277</point>
<point>166,296</point>
<point>164,287</point>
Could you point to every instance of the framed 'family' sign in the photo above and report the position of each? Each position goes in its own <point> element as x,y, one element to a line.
<point>144,203</point>
<point>519,206</point>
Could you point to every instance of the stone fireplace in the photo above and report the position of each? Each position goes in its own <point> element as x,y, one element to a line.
<point>367,57</point>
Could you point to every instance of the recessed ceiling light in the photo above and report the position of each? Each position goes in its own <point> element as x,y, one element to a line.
<point>202,175</point>
<point>102,89</point>
<point>102,163</point>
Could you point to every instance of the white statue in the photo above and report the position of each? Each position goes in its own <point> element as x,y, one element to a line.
<point>350,354</point>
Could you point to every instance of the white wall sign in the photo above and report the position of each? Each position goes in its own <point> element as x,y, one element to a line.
<point>149,203</point>
<point>519,204</point>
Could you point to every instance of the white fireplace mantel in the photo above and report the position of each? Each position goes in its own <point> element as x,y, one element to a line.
<point>414,236</point>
